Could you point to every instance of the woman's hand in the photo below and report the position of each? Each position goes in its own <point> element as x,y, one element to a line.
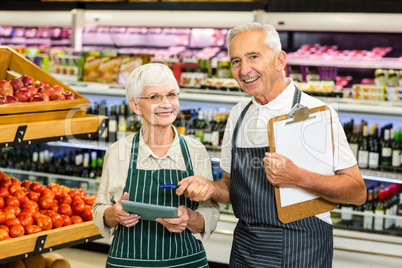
<point>186,218</point>
<point>116,214</point>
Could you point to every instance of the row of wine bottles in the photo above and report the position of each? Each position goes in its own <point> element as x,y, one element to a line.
<point>205,125</point>
<point>76,163</point>
<point>379,211</point>
<point>375,147</point>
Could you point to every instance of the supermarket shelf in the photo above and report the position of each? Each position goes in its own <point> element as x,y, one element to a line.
<point>387,63</point>
<point>70,128</point>
<point>233,97</point>
<point>47,241</point>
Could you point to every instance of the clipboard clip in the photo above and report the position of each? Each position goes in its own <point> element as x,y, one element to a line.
<point>299,113</point>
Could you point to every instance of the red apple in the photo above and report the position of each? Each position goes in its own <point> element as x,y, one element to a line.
<point>58,89</point>
<point>38,84</point>
<point>27,80</point>
<point>16,83</point>
<point>48,90</point>
<point>23,94</point>
<point>37,98</point>
<point>11,99</point>
<point>44,96</point>
<point>69,95</point>
<point>33,90</point>
<point>57,96</point>
<point>6,88</point>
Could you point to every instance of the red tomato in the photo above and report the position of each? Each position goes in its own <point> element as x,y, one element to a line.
<point>64,190</point>
<point>78,207</point>
<point>75,219</point>
<point>55,207</point>
<point>65,209</point>
<point>87,213</point>
<point>49,213</point>
<point>29,229</point>
<point>5,183</point>
<point>12,201</point>
<point>14,187</point>
<point>4,235</point>
<point>16,181</point>
<point>9,214</point>
<point>47,191</point>
<point>66,220</point>
<point>25,184</point>
<point>74,192</point>
<point>25,219</point>
<point>36,216</point>
<point>2,175</point>
<point>77,199</point>
<point>36,187</point>
<point>37,229</point>
<point>13,209</point>
<point>5,228</point>
<point>89,199</point>
<point>46,202</point>
<point>57,190</point>
<point>65,199</point>
<point>20,194</point>
<point>1,202</point>
<point>17,230</point>
<point>83,193</point>
<point>4,192</point>
<point>57,220</point>
<point>11,222</point>
<point>2,217</point>
<point>29,203</point>
<point>44,222</point>
<point>34,196</point>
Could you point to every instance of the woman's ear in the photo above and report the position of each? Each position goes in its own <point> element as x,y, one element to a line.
<point>134,106</point>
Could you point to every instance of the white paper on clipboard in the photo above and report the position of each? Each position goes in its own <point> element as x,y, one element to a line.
<point>308,143</point>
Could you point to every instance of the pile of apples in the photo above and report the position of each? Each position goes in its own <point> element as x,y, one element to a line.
<point>30,207</point>
<point>26,89</point>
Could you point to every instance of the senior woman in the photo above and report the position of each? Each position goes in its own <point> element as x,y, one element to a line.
<point>135,168</point>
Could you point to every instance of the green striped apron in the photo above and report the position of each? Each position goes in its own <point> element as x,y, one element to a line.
<point>148,243</point>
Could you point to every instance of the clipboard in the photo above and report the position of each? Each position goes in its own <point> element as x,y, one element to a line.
<point>304,136</point>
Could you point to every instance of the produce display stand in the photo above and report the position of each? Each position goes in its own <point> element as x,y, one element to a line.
<point>47,241</point>
<point>33,123</point>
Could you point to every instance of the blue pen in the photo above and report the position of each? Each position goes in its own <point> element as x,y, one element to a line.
<point>171,186</point>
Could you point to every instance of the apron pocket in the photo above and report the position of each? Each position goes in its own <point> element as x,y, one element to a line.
<point>257,246</point>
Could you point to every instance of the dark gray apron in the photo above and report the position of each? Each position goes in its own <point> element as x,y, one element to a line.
<point>260,239</point>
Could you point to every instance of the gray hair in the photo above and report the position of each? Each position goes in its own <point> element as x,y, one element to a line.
<point>149,75</point>
<point>272,39</point>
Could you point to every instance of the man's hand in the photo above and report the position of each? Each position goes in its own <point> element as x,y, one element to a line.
<point>280,170</point>
<point>196,188</point>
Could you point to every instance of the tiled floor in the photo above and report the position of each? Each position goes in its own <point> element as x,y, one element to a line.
<point>80,258</point>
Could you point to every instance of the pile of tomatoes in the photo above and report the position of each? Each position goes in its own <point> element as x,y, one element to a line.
<point>29,207</point>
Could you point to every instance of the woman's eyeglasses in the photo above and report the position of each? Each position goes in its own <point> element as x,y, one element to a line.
<point>156,98</point>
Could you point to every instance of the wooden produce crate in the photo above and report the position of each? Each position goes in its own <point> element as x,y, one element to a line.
<point>12,64</point>
<point>47,241</point>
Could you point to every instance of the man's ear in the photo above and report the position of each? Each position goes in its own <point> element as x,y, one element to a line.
<point>281,60</point>
<point>134,106</point>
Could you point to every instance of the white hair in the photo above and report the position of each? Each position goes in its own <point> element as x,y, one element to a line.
<point>149,75</point>
<point>272,39</point>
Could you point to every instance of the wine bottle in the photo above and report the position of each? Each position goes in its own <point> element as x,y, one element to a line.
<point>112,126</point>
<point>374,150</point>
<point>398,222</point>
<point>354,143</point>
<point>92,172</point>
<point>85,166</point>
<point>396,149</point>
<point>368,211</point>
<point>363,154</point>
<point>103,110</point>
<point>386,150</point>
<point>122,121</point>
<point>379,212</point>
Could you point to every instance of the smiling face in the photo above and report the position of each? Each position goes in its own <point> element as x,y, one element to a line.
<point>161,114</point>
<point>258,72</point>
